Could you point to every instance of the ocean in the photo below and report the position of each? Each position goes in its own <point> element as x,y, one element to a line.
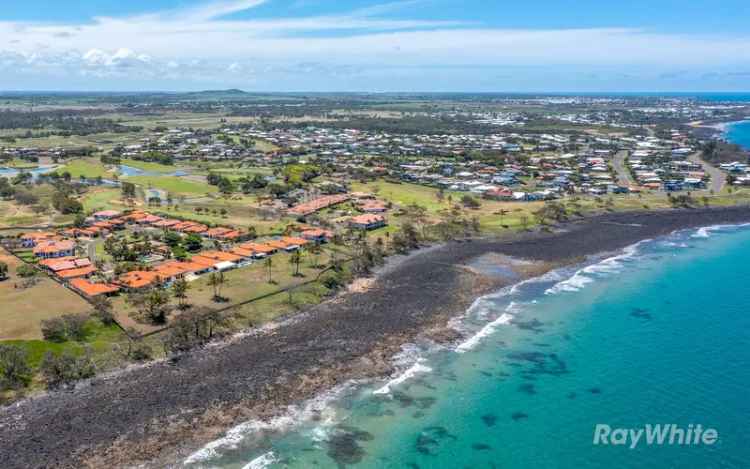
<point>739,133</point>
<point>654,334</point>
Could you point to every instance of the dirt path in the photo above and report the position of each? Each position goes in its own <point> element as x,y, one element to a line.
<point>718,177</point>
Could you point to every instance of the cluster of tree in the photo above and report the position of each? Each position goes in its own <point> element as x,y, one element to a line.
<point>123,251</point>
<point>63,123</point>
<point>225,185</point>
<point>64,203</point>
<point>66,327</point>
<point>298,174</point>
<point>249,185</point>
<point>180,245</point>
<point>194,328</point>
<point>155,157</point>
<point>717,151</point>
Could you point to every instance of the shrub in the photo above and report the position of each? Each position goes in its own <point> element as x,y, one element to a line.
<point>26,271</point>
<point>15,372</point>
<point>75,326</point>
<point>54,330</point>
<point>67,327</point>
<point>65,369</point>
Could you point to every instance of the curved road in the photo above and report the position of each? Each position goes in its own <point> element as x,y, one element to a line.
<point>718,177</point>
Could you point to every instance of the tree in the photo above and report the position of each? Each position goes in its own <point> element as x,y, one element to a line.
<point>3,271</point>
<point>128,190</point>
<point>316,251</point>
<point>269,266</point>
<point>152,306</point>
<point>179,291</point>
<point>80,220</point>
<point>15,371</point>
<point>295,260</point>
<point>193,243</point>
<point>470,202</point>
<point>217,281</point>
<point>65,369</point>
<point>103,310</point>
<point>26,271</point>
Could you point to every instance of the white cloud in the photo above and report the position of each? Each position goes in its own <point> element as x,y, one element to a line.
<point>201,41</point>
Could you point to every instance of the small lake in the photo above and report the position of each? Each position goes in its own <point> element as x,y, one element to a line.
<point>130,171</point>
<point>13,172</point>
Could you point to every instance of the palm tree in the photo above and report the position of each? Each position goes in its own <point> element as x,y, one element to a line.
<point>216,280</point>
<point>269,266</point>
<point>295,260</point>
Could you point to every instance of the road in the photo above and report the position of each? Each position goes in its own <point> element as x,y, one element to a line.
<point>718,177</point>
<point>624,178</point>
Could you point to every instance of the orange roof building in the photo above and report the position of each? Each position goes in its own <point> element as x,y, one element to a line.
<point>93,289</point>
<point>76,273</point>
<point>138,279</point>
<point>48,249</point>
<point>367,222</point>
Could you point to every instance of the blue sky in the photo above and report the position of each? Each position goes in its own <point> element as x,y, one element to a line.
<point>366,45</point>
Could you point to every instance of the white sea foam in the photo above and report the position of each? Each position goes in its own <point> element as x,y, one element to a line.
<point>588,274</point>
<point>414,370</point>
<point>317,408</point>
<point>262,461</point>
<point>487,330</point>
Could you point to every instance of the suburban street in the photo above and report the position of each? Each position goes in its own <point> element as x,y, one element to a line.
<point>624,178</point>
<point>718,177</point>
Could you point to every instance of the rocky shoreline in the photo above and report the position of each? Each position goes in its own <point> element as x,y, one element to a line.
<point>154,414</point>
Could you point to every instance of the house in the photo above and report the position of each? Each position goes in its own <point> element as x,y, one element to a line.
<point>30,240</point>
<point>53,249</point>
<point>317,235</point>
<point>92,290</point>
<point>218,260</point>
<point>138,280</point>
<point>80,272</point>
<point>259,250</point>
<point>64,263</point>
<point>106,215</point>
<point>367,222</point>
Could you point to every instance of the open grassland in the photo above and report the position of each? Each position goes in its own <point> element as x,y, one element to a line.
<point>23,309</point>
<point>151,167</point>
<point>173,185</point>
<point>87,167</point>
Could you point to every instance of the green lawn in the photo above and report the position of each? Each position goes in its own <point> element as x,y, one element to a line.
<point>101,199</point>
<point>148,166</point>
<point>405,194</point>
<point>174,185</point>
<point>90,168</point>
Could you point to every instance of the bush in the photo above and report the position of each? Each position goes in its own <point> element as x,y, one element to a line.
<point>26,271</point>
<point>54,330</point>
<point>103,310</point>
<point>65,369</point>
<point>15,372</point>
<point>141,352</point>
<point>75,326</point>
<point>67,327</point>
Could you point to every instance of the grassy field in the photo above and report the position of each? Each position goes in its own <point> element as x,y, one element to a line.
<point>151,167</point>
<point>88,167</point>
<point>23,309</point>
<point>174,185</point>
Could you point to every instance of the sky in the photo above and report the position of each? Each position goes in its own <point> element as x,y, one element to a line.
<point>375,46</point>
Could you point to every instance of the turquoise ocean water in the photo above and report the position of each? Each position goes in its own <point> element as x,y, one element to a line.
<point>739,133</point>
<point>656,334</point>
